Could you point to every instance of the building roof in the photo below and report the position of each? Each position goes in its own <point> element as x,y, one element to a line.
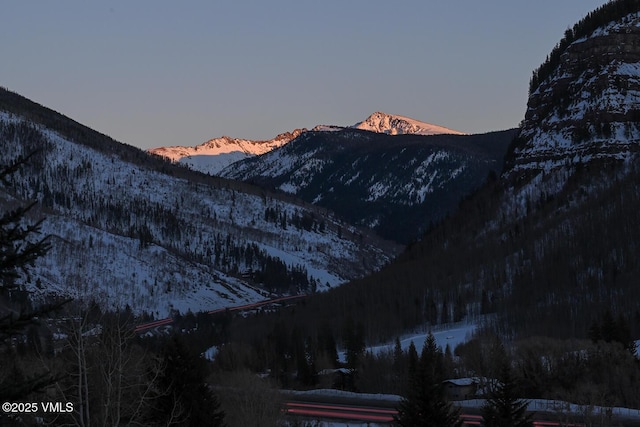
<point>462,382</point>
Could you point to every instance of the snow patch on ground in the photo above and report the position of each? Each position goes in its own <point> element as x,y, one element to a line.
<point>451,335</point>
<point>544,405</point>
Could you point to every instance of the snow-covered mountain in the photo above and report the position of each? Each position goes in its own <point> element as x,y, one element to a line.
<point>215,155</point>
<point>399,125</point>
<point>372,179</point>
<point>131,229</point>
<point>551,245</point>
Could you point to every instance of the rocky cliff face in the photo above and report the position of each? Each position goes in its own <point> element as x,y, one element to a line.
<point>589,107</point>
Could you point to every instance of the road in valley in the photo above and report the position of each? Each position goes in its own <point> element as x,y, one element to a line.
<point>352,408</point>
<point>252,306</point>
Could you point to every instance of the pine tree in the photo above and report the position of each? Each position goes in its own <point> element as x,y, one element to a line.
<point>21,244</point>
<point>353,341</point>
<point>398,358</point>
<point>354,345</point>
<point>184,398</point>
<point>409,410</point>
<point>503,408</point>
<point>425,404</point>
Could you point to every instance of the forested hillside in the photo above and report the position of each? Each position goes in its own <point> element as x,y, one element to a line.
<point>397,185</point>
<point>133,230</point>
<point>552,242</point>
<point>547,249</point>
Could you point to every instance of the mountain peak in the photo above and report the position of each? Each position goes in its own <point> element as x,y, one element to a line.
<point>392,124</point>
<point>216,154</point>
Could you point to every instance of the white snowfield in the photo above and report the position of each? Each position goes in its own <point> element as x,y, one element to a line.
<point>560,407</point>
<point>451,335</point>
<point>392,124</point>
<point>216,154</point>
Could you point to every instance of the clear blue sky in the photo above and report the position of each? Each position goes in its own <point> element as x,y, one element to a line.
<point>156,73</point>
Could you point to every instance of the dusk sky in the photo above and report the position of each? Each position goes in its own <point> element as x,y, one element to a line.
<point>158,73</point>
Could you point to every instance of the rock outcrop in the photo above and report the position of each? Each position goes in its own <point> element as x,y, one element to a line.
<point>588,108</point>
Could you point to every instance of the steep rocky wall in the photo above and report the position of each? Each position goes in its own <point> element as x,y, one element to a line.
<point>589,108</point>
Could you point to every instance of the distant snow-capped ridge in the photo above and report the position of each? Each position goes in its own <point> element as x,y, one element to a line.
<point>398,125</point>
<point>216,154</point>
<point>226,144</point>
<point>392,124</point>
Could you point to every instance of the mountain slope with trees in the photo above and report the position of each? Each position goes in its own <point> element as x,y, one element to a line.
<point>547,246</point>
<point>216,154</point>
<point>374,179</point>
<point>130,229</point>
<point>544,248</point>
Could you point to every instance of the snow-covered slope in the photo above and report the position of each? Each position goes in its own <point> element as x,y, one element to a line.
<point>398,125</point>
<point>157,237</point>
<point>373,179</point>
<point>215,155</point>
<point>555,238</point>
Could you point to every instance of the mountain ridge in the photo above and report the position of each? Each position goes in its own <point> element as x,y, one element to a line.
<point>393,124</point>
<point>219,153</point>
<point>372,179</point>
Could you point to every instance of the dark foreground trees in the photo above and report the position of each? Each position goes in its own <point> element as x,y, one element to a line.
<point>21,244</point>
<point>425,403</point>
<point>183,397</point>
<point>503,407</point>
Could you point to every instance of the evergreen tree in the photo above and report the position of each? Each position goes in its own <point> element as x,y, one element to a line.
<point>21,244</point>
<point>425,404</point>
<point>353,341</point>
<point>184,398</point>
<point>409,410</point>
<point>448,363</point>
<point>595,333</point>
<point>304,359</point>
<point>613,331</point>
<point>503,408</point>
<point>398,358</point>
<point>354,345</point>
<point>623,334</point>
<point>327,344</point>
